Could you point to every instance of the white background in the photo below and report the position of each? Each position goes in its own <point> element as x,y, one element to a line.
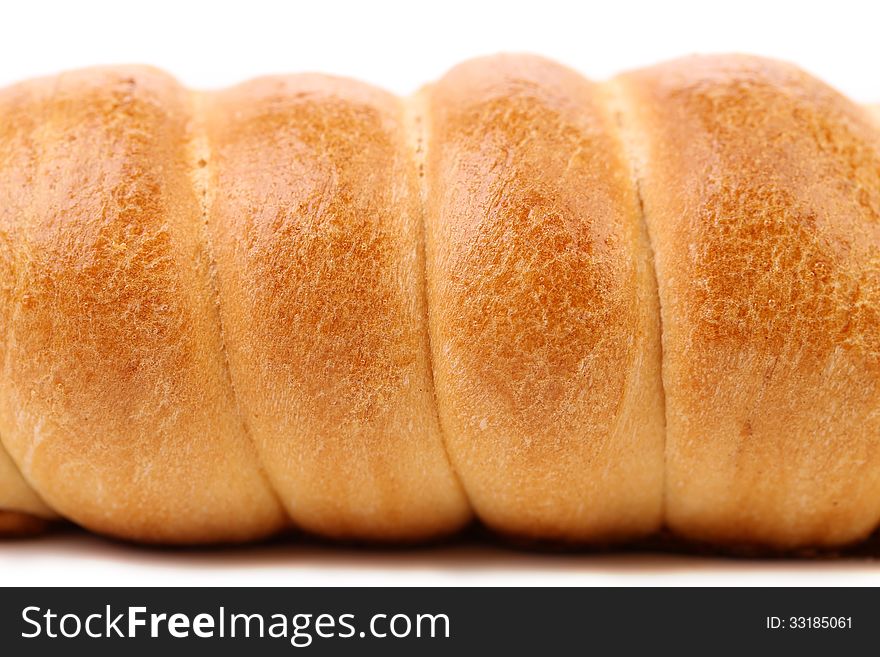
<point>400,46</point>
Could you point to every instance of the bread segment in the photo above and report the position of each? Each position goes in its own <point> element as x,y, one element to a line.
<point>317,232</point>
<point>113,400</point>
<point>761,189</point>
<point>543,312</point>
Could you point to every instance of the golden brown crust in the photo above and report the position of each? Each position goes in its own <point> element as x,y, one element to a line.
<point>543,315</point>
<point>761,189</point>
<point>114,403</point>
<point>220,313</point>
<point>316,229</point>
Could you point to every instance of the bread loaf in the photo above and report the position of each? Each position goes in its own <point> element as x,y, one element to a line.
<point>574,311</point>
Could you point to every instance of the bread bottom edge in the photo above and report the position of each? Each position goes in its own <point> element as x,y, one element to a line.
<point>19,524</point>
